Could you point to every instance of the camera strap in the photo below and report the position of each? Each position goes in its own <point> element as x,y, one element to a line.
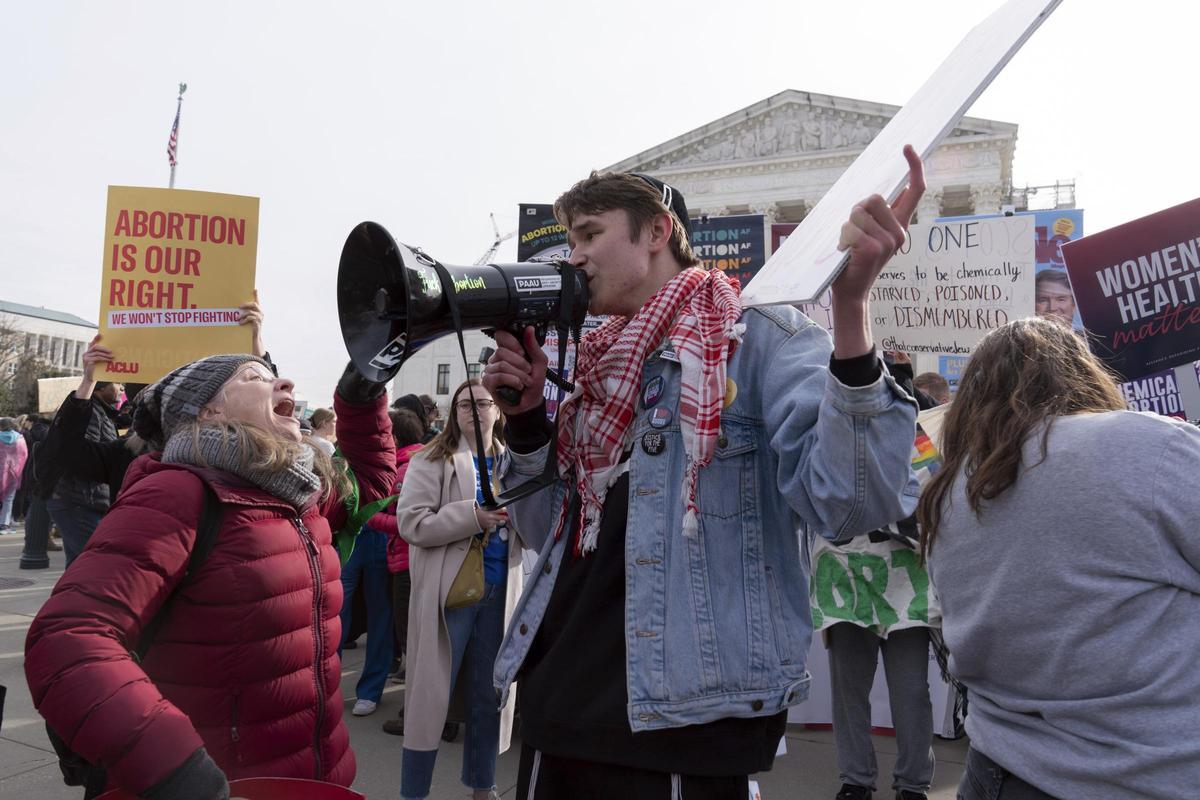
<point>565,329</point>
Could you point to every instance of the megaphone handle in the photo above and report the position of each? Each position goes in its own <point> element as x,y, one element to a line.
<point>550,469</point>
<point>508,395</point>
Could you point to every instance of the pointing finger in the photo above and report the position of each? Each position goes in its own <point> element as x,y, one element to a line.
<point>906,204</point>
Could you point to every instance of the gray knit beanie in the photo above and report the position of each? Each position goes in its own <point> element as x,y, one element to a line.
<point>178,397</point>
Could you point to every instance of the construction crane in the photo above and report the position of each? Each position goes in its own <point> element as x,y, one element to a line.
<point>499,240</point>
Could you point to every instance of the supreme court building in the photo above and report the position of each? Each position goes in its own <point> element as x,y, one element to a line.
<point>776,158</point>
<point>779,156</point>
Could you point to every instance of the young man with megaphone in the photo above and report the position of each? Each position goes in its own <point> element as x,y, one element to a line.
<point>664,632</point>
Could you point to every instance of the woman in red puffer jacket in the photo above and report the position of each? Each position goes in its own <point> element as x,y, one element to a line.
<point>408,431</point>
<point>242,678</point>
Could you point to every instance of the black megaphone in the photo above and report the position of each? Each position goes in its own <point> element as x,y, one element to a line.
<point>394,299</point>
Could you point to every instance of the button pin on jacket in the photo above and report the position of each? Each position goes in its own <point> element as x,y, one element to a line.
<point>653,443</point>
<point>730,392</point>
<point>653,391</point>
<point>660,417</point>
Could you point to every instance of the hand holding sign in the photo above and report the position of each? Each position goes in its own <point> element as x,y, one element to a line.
<point>95,354</point>
<point>252,315</point>
<point>873,234</point>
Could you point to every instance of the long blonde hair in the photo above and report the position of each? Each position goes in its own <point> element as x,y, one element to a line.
<point>1021,374</point>
<point>445,444</point>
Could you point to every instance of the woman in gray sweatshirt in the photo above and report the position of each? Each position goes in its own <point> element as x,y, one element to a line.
<point>1062,536</point>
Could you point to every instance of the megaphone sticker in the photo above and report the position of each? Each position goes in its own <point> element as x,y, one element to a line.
<point>429,280</point>
<point>467,282</point>
<point>392,354</point>
<point>544,283</point>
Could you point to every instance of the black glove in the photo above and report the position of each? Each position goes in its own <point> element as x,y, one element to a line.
<point>198,778</point>
<point>354,388</point>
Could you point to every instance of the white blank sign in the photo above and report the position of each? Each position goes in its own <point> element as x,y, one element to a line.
<point>808,261</point>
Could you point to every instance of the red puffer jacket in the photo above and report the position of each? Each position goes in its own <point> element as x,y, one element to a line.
<point>385,521</point>
<point>245,662</point>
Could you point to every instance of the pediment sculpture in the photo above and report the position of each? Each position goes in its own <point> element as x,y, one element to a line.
<point>788,130</point>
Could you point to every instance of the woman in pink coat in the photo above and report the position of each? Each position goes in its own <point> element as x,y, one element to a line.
<point>12,460</point>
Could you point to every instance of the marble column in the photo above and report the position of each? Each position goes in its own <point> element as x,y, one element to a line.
<point>930,206</point>
<point>769,210</point>
<point>986,198</point>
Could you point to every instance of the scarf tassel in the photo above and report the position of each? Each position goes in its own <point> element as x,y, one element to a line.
<point>691,519</point>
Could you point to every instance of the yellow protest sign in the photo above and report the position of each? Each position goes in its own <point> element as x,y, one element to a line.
<point>177,264</point>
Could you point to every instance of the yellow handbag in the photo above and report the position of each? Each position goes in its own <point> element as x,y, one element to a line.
<point>467,587</point>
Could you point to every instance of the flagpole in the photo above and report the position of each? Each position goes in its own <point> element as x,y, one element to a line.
<point>173,144</point>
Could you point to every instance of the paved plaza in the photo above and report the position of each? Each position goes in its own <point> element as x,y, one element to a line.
<point>29,769</point>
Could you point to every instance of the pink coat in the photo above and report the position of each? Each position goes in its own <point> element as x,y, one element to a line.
<point>385,521</point>
<point>12,461</point>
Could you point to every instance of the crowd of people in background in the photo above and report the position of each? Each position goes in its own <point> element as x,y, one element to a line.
<point>222,552</point>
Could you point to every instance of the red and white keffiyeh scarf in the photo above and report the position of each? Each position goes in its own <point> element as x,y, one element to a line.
<point>698,311</point>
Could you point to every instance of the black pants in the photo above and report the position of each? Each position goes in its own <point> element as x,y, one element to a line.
<point>984,779</point>
<point>555,778</point>
<point>401,588</point>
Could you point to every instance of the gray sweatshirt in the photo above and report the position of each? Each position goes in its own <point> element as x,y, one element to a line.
<point>1071,607</point>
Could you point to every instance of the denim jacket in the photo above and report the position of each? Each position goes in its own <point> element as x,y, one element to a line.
<point>718,624</point>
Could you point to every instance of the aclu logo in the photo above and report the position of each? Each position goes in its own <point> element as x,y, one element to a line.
<point>125,367</point>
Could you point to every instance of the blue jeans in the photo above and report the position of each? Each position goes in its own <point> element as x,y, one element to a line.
<point>475,633</point>
<point>984,779</point>
<point>6,505</point>
<point>75,522</point>
<point>368,563</point>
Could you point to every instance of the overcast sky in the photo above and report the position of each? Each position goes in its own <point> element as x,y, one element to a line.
<point>428,116</point>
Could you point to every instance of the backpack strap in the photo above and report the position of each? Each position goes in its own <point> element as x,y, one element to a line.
<point>206,538</point>
<point>76,770</point>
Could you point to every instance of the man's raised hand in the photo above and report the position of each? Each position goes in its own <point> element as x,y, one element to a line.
<point>873,234</point>
<point>875,231</point>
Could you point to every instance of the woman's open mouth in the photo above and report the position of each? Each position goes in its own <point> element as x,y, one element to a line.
<point>285,408</point>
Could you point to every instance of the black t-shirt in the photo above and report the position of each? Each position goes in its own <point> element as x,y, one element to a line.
<point>572,689</point>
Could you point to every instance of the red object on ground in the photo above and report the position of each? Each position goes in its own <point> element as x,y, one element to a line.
<point>270,789</point>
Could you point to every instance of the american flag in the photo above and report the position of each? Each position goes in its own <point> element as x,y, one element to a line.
<point>173,142</point>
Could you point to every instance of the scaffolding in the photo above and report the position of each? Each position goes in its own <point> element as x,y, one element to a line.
<point>1050,196</point>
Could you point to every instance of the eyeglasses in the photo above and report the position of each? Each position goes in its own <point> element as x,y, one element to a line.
<point>480,405</point>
